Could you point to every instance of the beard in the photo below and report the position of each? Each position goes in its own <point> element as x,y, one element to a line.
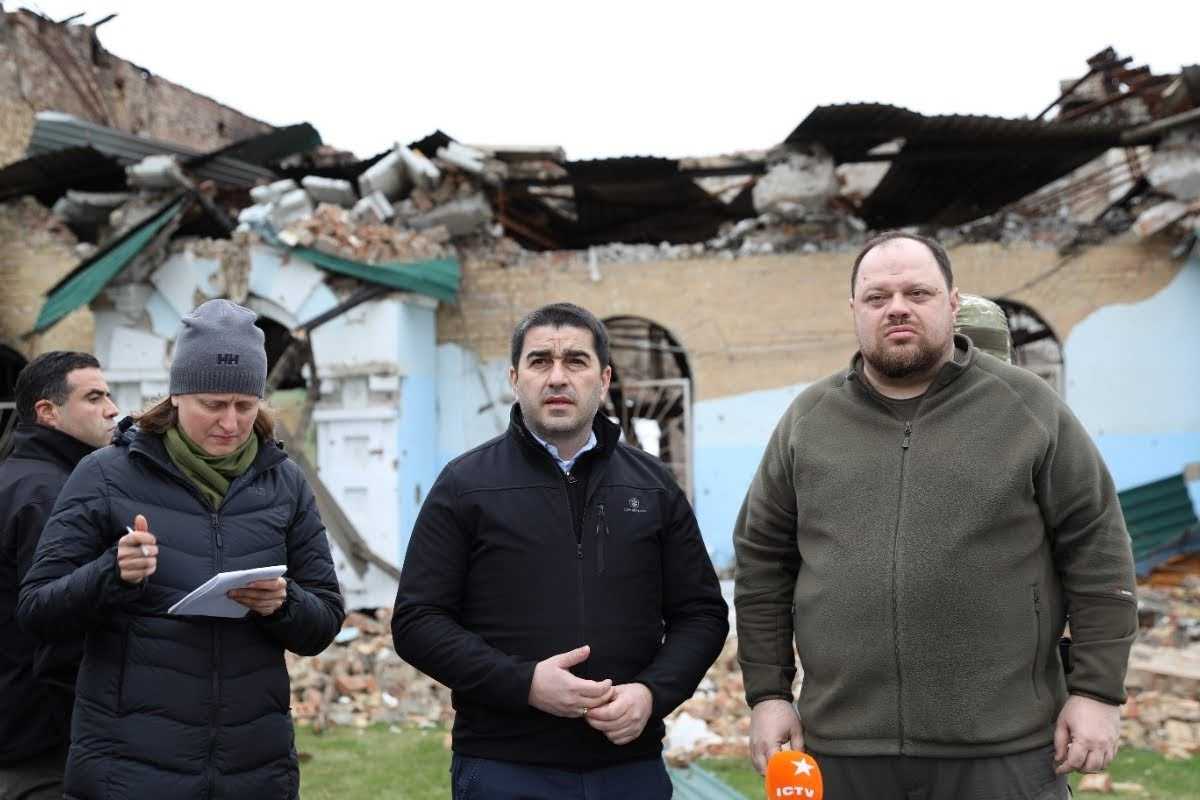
<point>903,361</point>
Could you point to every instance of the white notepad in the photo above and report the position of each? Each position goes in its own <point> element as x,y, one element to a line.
<point>209,600</point>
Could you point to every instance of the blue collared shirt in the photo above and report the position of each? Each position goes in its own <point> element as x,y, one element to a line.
<point>565,464</point>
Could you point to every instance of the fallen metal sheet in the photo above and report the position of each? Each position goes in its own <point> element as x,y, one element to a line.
<point>54,131</point>
<point>89,278</point>
<point>950,169</point>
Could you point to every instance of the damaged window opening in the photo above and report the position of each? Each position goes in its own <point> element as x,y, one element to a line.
<point>1034,343</point>
<point>651,392</point>
<point>278,338</point>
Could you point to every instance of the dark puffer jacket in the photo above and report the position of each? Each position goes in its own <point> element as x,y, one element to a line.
<point>168,706</point>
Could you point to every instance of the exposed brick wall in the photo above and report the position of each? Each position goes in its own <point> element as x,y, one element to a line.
<point>50,67</point>
<point>760,323</point>
<point>36,250</point>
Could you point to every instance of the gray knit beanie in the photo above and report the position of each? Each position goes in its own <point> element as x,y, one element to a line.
<point>219,349</point>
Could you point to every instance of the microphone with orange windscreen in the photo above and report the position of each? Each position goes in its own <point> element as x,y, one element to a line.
<point>792,774</point>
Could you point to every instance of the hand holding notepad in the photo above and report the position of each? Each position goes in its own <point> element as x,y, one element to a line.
<point>209,598</point>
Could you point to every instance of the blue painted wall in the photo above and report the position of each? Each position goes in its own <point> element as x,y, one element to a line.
<point>417,428</point>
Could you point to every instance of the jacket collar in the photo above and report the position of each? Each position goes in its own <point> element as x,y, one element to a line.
<point>964,358</point>
<point>42,443</point>
<point>608,433</point>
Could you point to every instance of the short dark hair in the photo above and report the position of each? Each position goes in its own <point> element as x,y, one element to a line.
<point>559,315</point>
<point>45,378</point>
<point>935,247</point>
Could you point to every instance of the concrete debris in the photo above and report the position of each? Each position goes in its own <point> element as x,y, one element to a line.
<point>91,208</point>
<point>387,176</point>
<point>360,681</point>
<point>265,195</point>
<point>155,172</point>
<point>421,171</point>
<point>459,217</point>
<point>1175,166</point>
<point>374,208</point>
<point>291,207</point>
<point>1163,683</point>
<point>329,190</point>
<point>465,158</point>
<point>804,179</point>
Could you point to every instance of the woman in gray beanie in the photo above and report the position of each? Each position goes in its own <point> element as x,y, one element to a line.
<point>187,706</point>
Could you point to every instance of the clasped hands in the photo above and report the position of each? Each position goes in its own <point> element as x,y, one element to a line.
<point>620,712</point>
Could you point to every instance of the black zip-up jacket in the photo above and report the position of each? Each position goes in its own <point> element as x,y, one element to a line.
<point>498,576</point>
<point>173,706</point>
<point>37,679</point>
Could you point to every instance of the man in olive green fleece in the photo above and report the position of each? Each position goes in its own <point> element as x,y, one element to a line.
<point>921,526</point>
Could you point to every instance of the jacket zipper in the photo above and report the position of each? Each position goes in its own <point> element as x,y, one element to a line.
<point>568,481</point>
<point>1037,641</point>
<point>904,446</point>
<point>216,663</point>
<point>601,535</point>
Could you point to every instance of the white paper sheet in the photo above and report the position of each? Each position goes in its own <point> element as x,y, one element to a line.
<point>209,600</point>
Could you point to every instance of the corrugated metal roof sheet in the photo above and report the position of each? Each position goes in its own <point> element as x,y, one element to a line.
<point>951,169</point>
<point>54,131</point>
<point>1161,518</point>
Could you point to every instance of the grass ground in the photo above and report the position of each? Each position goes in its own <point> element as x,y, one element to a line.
<point>406,763</point>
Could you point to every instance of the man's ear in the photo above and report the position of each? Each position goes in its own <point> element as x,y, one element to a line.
<point>512,378</point>
<point>46,413</point>
<point>605,378</point>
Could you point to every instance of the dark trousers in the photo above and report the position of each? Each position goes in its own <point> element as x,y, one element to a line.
<point>484,779</point>
<point>1020,776</point>
<point>39,778</point>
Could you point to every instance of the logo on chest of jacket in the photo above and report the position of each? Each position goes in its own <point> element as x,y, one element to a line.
<point>634,506</point>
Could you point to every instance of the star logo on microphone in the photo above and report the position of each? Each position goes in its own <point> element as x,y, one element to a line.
<point>802,767</point>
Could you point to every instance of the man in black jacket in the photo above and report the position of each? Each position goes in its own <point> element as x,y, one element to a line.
<point>557,582</point>
<point>65,411</point>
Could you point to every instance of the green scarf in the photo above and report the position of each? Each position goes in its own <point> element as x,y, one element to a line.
<point>211,474</point>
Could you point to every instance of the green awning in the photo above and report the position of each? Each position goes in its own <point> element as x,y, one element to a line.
<point>90,277</point>
<point>438,278</point>
<point>1161,519</point>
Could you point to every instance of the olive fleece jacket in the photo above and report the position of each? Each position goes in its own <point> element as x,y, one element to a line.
<point>925,567</point>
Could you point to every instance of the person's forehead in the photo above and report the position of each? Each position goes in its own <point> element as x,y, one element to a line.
<point>558,338</point>
<point>898,259</point>
<point>86,379</point>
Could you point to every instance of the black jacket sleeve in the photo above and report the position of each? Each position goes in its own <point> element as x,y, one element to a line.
<point>312,614</point>
<point>54,662</point>
<point>74,577</point>
<point>696,616</point>
<point>425,622</point>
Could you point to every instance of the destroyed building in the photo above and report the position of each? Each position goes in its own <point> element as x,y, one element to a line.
<point>387,287</point>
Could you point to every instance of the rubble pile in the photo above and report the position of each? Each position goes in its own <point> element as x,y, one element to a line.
<point>1163,683</point>
<point>360,681</point>
<point>331,230</point>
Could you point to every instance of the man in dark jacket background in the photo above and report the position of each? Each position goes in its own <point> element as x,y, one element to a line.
<point>64,412</point>
<point>557,582</point>
<point>920,526</point>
